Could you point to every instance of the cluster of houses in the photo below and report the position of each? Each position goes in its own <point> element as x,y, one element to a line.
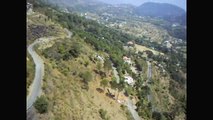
<point>128,78</point>
<point>29,8</point>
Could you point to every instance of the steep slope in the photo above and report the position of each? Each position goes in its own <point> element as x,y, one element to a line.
<point>68,93</point>
<point>69,97</point>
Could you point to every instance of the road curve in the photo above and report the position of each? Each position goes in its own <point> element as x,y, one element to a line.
<point>132,110</point>
<point>39,71</point>
<point>131,107</point>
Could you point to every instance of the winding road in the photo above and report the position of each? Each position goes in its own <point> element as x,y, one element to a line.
<point>35,88</point>
<point>39,73</point>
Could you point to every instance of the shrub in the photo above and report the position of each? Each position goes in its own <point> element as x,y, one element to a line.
<point>87,76</point>
<point>103,114</point>
<point>104,83</point>
<point>41,104</point>
<point>156,115</point>
<point>86,63</point>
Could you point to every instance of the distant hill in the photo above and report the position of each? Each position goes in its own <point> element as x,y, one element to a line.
<point>79,5</point>
<point>75,2</point>
<point>165,11</point>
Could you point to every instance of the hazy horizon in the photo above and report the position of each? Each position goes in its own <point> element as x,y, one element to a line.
<point>179,3</point>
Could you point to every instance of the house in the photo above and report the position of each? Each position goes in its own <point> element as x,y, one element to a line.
<point>129,80</point>
<point>65,10</point>
<point>127,60</point>
<point>99,57</point>
<point>130,43</point>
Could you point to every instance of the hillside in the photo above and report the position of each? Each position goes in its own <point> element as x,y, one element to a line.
<point>69,95</point>
<point>165,11</point>
<point>80,78</point>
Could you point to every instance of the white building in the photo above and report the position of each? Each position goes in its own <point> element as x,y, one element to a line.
<point>130,43</point>
<point>129,80</point>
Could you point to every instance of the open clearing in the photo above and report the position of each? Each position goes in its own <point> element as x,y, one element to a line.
<point>143,48</point>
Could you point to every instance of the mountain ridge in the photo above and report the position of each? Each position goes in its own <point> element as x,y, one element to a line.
<point>165,11</point>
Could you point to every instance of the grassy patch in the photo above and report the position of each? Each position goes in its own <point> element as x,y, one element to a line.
<point>128,114</point>
<point>143,48</point>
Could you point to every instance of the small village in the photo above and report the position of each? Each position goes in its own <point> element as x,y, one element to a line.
<point>127,78</point>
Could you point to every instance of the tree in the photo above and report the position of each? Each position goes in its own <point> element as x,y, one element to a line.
<point>139,65</point>
<point>107,65</point>
<point>104,83</point>
<point>120,86</point>
<point>41,104</point>
<point>149,53</point>
<point>128,90</point>
<point>156,115</point>
<point>113,83</point>
<point>75,49</point>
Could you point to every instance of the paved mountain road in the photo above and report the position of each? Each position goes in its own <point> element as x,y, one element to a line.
<point>35,88</point>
